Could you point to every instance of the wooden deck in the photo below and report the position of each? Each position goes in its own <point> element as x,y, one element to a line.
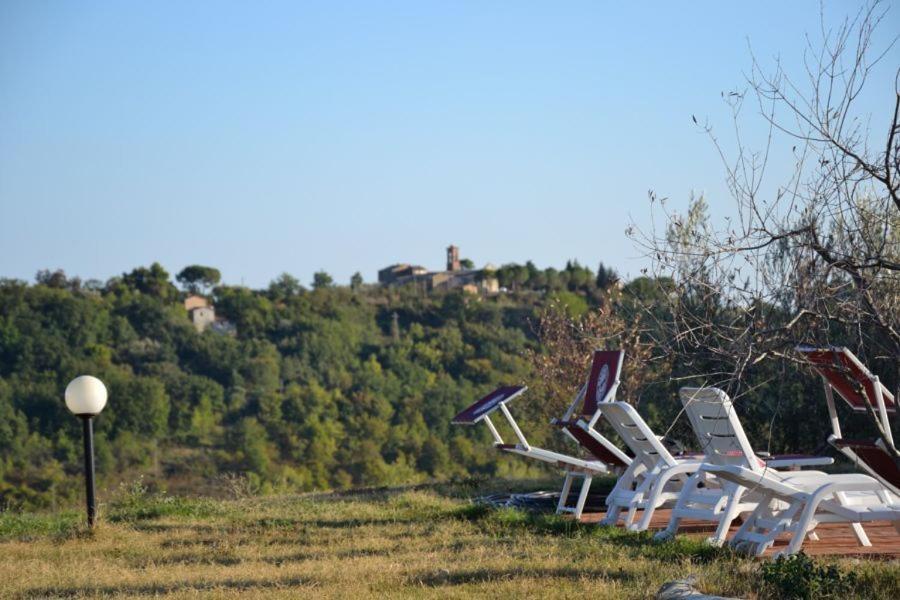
<point>835,539</point>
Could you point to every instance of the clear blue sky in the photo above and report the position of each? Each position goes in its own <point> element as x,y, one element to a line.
<point>263,137</point>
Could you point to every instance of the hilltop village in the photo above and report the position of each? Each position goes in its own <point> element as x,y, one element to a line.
<point>458,274</point>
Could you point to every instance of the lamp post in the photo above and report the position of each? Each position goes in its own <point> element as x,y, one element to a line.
<point>86,397</point>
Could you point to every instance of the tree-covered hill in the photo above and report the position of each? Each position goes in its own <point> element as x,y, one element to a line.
<point>321,388</point>
<point>317,388</point>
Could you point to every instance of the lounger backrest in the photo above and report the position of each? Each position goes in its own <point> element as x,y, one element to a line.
<point>636,434</point>
<point>718,428</point>
<point>848,377</point>
<point>606,366</point>
<point>482,408</point>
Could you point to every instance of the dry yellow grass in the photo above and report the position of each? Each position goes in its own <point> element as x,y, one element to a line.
<point>395,543</point>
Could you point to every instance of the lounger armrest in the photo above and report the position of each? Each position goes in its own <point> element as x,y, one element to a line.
<point>485,406</point>
<point>797,460</point>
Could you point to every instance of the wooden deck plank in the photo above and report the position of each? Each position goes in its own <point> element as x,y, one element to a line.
<point>835,539</point>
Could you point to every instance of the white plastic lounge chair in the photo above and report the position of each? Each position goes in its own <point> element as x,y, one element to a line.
<point>791,503</point>
<point>604,456</point>
<point>654,477</point>
<point>723,442</point>
<point>796,505</point>
<point>843,373</point>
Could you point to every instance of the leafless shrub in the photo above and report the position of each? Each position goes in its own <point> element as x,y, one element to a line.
<point>568,343</point>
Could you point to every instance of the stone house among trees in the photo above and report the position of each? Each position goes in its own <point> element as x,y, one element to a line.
<point>203,315</point>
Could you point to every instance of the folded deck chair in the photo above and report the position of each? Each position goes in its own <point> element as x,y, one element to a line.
<point>654,477</point>
<point>843,373</point>
<point>603,456</point>
<point>723,442</point>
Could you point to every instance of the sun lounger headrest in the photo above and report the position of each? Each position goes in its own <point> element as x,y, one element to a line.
<point>637,435</point>
<point>606,366</point>
<point>488,404</point>
<point>717,427</point>
<point>847,376</point>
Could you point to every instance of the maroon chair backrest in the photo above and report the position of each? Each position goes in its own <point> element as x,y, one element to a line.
<point>606,367</point>
<point>598,450</point>
<point>848,377</point>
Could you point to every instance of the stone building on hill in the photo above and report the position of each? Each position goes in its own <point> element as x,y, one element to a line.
<point>203,315</point>
<point>475,281</point>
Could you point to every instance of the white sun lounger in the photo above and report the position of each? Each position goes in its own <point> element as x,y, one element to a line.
<point>795,506</point>
<point>654,477</point>
<point>787,503</point>
<point>604,456</point>
<point>723,442</point>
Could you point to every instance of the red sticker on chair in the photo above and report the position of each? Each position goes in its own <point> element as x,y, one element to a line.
<point>849,377</point>
<point>605,368</point>
<point>486,405</point>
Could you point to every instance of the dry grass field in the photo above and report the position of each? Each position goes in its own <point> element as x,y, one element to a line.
<point>408,542</point>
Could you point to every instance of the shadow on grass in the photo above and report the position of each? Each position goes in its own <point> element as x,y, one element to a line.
<point>220,558</point>
<point>508,521</point>
<point>173,527</point>
<point>447,578</point>
<point>232,540</point>
<point>299,557</point>
<point>354,523</point>
<point>148,589</point>
<point>458,488</point>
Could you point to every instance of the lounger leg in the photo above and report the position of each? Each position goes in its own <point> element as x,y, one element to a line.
<point>644,523</point>
<point>728,516</point>
<point>684,500</point>
<point>582,497</point>
<point>564,495</point>
<point>622,489</point>
<point>629,516</point>
<point>805,523</point>
<point>860,533</point>
<point>653,499</point>
<point>612,515</point>
<point>858,530</point>
<point>764,512</point>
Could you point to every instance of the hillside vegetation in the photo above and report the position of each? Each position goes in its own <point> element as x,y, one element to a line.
<point>323,388</point>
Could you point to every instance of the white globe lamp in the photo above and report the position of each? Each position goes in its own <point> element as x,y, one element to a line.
<point>86,397</point>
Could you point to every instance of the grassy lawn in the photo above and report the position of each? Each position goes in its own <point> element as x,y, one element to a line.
<point>419,542</point>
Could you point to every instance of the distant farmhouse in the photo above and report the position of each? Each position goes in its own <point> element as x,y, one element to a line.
<point>203,315</point>
<point>473,281</point>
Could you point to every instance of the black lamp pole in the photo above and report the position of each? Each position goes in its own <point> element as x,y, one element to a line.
<point>87,421</point>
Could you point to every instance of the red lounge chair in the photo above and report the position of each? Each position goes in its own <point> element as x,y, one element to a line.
<point>604,456</point>
<point>843,373</point>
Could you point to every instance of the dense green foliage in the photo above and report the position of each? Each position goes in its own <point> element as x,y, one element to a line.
<point>314,390</point>
<point>324,388</point>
